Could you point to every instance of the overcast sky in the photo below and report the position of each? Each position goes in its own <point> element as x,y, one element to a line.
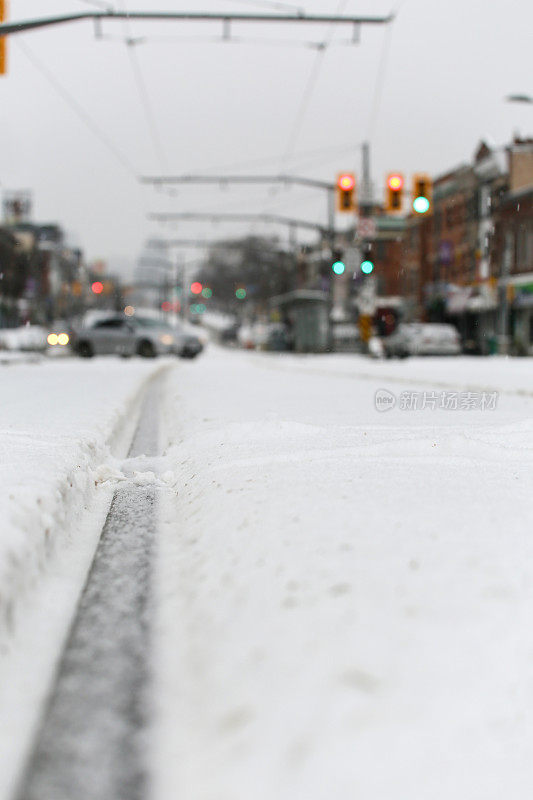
<point>423,91</point>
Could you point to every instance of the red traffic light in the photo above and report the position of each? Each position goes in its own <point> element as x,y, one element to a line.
<point>196,287</point>
<point>346,182</point>
<point>97,287</point>
<point>395,182</point>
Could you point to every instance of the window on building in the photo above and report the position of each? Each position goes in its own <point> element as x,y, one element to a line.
<point>524,246</point>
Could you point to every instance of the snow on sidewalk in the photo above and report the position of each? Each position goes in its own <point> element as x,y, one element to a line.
<point>57,423</point>
<point>345,596</point>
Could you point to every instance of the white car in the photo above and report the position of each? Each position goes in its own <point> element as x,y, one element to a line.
<point>422,339</point>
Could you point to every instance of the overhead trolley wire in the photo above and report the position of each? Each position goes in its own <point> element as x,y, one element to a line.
<point>308,91</point>
<point>380,81</point>
<point>76,107</point>
<point>98,4</point>
<point>144,94</point>
<point>307,44</point>
<point>270,4</point>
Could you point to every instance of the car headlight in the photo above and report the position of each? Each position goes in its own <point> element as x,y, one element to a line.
<point>52,339</point>
<point>63,339</point>
<point>166,338</point>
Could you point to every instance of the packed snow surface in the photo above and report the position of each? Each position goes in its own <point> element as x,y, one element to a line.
<point>342,594</point>
<point>345,595</point>
<point>65,426</point>
<point>59,421</point>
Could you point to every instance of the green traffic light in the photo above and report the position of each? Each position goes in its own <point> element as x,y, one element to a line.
<point>240,294</point>
<point>421,204</point>
<point>367,267</point>
<point>338,267</point>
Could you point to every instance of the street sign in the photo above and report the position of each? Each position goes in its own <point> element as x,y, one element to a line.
<point>446,252</point>
<point>367,228</point>
<point>351,258</point>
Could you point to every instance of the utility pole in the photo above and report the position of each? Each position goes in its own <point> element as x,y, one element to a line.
<point>366,183</point>
<point>504,302</point>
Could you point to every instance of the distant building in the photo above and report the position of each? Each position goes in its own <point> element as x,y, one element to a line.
<point>469,261</point>
<point>512,249</point>
<point>43,276</point>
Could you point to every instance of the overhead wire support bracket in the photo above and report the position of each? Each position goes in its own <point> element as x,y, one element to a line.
<point>236,217</point>
<point>190,16</point>
<point>160,180</point>
<point>226,32</point>
<point>225,180</point>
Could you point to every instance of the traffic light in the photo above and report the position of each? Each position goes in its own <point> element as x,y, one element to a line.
<point>367,261</point>
<point>394,192</point>
<point>337,264</point>
<point>3,39</point>
<point>346,200</point>
<point>196,287</point>
<point>422,193</point>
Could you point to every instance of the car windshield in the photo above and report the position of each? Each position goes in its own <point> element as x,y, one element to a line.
<point>266,400</point>
<point>147,322</point>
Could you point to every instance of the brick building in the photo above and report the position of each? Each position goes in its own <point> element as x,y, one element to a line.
<point>512,250</point>
<point>469,261</point>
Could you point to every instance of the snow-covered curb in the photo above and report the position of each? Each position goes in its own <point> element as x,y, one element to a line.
<point>49,470</point>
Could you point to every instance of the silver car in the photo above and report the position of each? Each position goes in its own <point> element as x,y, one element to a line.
<point>422,339</point>
<point>118,334</point>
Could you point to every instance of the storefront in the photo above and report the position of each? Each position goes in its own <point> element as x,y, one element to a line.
<point>521,296</point>
<point>473,311</point>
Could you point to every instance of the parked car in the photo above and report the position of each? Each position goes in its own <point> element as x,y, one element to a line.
<point>253,335</point>
<point>422,339</point>
<point>29,338</point>
<point>116,334</point>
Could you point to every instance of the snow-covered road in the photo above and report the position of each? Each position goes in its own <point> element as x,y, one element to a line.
<point>342,595</point>
<point>346,595</point>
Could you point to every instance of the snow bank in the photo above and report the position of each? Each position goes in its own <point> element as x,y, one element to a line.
<point>58,422</point>
<point>345,596</point>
